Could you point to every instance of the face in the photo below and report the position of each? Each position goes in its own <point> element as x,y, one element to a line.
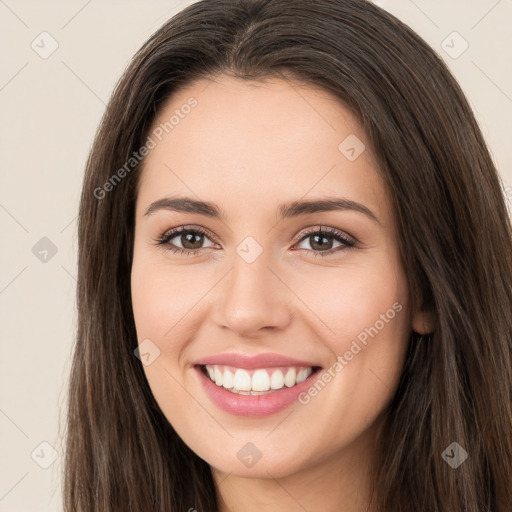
<point>321,287</point>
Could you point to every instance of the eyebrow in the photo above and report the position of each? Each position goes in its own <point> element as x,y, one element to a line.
<point>287,210</point>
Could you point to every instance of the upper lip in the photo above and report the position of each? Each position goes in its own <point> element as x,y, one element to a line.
<point>249,362</point>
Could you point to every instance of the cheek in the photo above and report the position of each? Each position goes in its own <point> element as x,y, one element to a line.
<point>344,301</point>
<point>161,297</point>
<point>161,300</point>
<point>368,312</point>
<point>361,314</point>
<point>165,302</point>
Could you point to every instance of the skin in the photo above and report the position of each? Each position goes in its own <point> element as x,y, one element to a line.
<point>248,147</point>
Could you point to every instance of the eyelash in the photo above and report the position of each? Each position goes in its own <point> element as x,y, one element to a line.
<point>163,240</point>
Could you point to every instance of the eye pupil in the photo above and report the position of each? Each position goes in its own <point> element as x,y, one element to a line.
<point>316,241</point>
<point>189,237</point>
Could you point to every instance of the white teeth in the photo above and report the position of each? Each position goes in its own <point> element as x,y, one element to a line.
<point>302,375</point>
<point>277,380</point>
<point>260,381</point>
<point>263,380</point>
<point>289,378</point>
<point>228,381</point>
<point>218,376</point>
<point>242,380</point>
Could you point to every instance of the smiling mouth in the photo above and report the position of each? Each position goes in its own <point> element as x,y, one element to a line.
<point>260,381</point>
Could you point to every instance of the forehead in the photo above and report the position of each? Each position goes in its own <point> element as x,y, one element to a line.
<point>268,141</point>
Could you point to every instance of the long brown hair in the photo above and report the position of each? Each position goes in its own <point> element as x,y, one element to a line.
<point>454,234</point>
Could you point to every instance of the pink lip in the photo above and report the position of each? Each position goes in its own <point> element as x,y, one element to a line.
<point>255,405</point>
<point>248,362</point>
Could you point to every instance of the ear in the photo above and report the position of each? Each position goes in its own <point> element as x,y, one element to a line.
<point>423,322</point>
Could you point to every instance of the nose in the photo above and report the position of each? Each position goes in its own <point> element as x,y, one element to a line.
<point>253,298</point>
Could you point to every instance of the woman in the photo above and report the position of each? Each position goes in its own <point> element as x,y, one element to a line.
<point>220,363</point>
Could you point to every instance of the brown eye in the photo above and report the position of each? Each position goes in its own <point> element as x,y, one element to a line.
<point>184,240</point>
<point>321,241</point>
<point>191,240</point>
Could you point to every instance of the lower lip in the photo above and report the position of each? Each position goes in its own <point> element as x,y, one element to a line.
<point>253,405</point>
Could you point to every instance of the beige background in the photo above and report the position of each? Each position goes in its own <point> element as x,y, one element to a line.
<point>50,108</point>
